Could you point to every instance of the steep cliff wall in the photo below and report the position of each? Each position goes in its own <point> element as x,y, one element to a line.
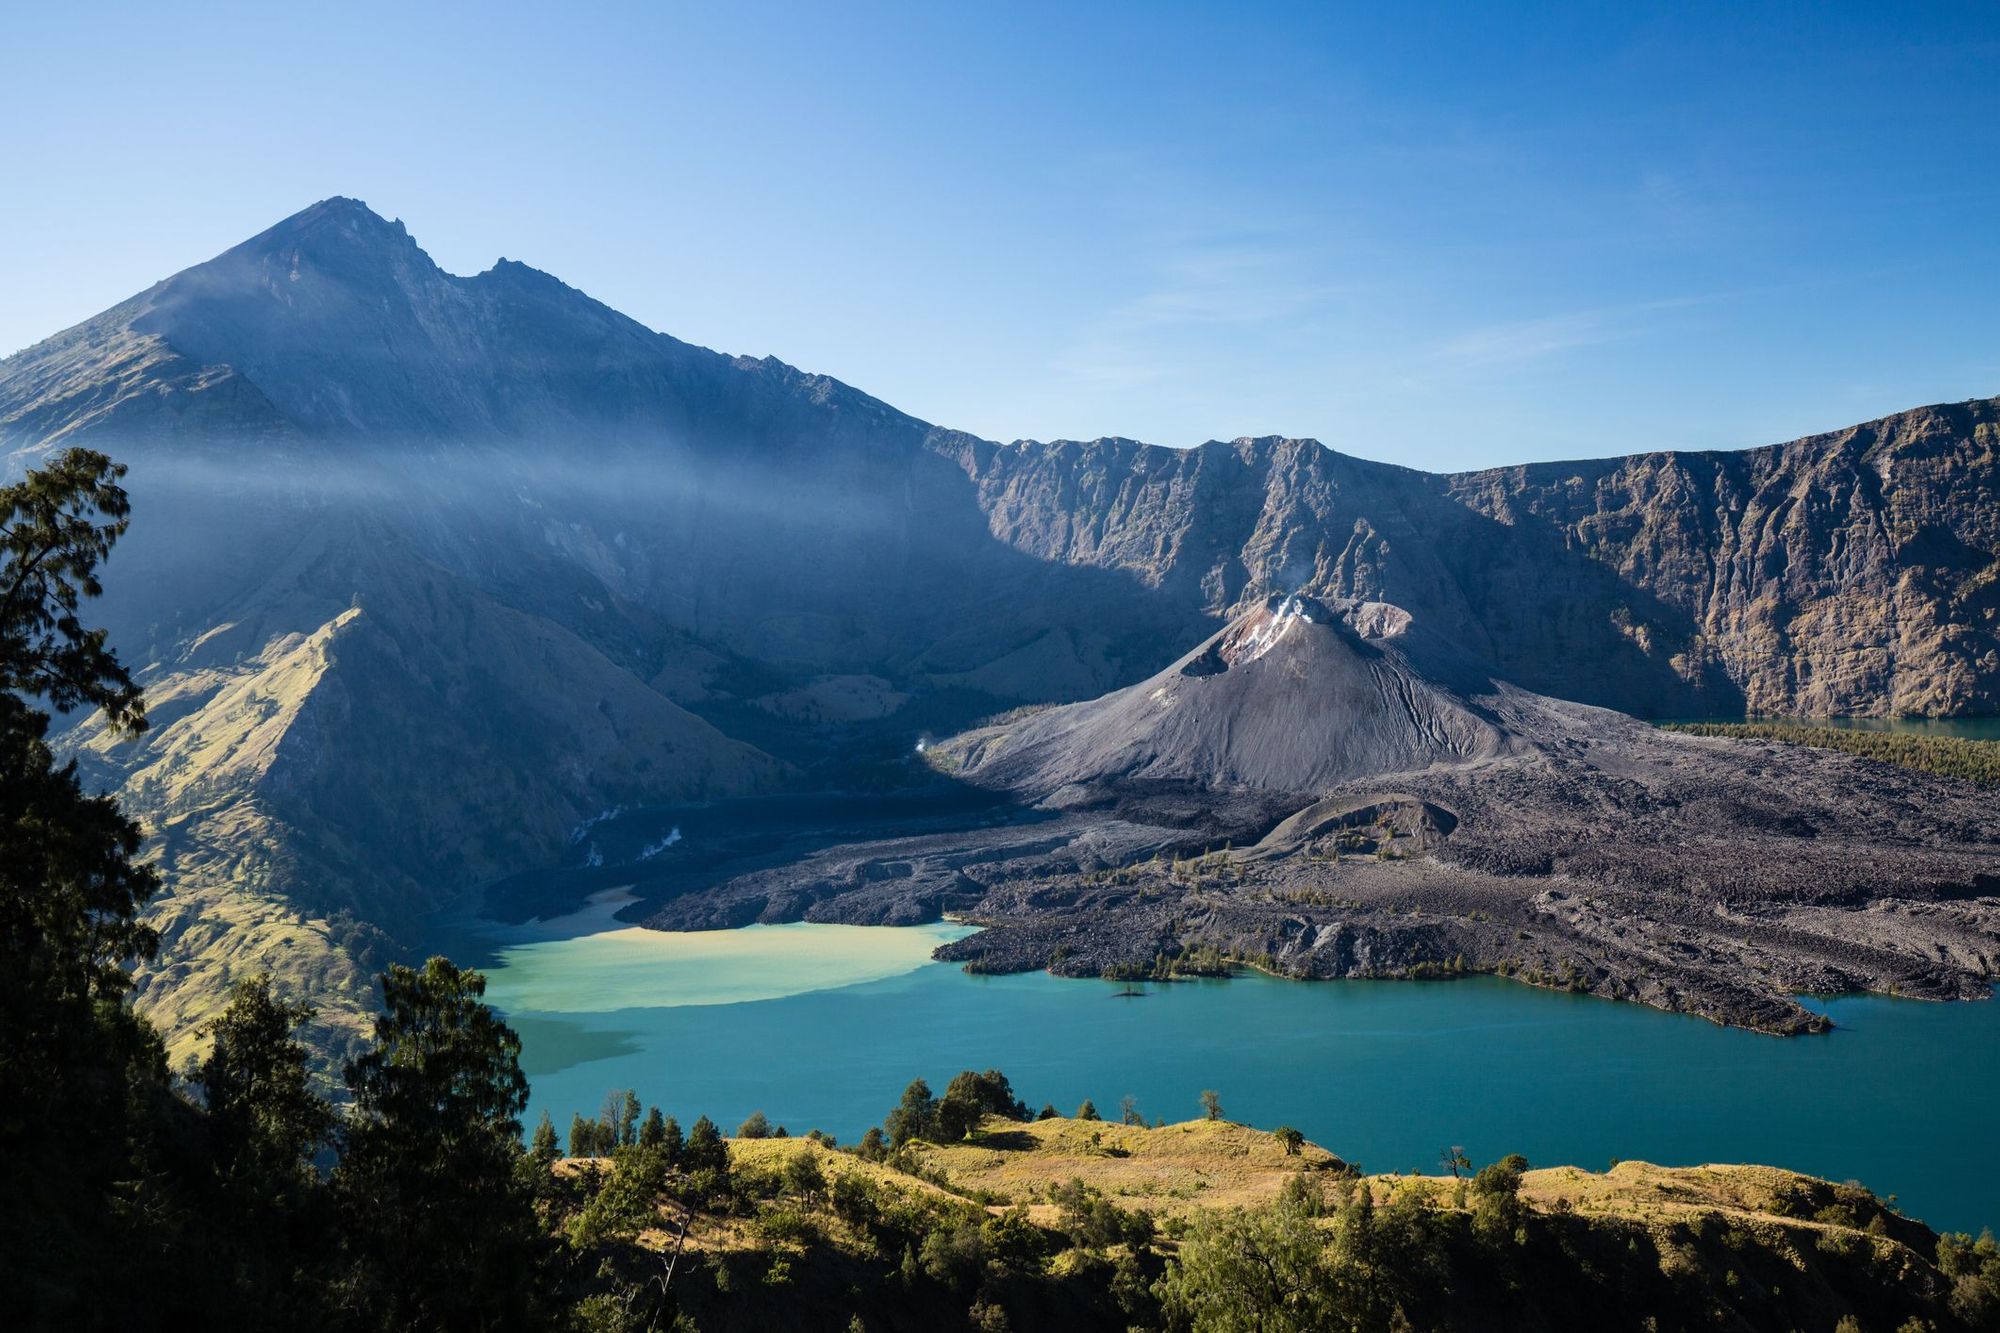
<point>1857,572</point>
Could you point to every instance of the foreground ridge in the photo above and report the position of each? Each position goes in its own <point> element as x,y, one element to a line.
<point>1083,1224</point>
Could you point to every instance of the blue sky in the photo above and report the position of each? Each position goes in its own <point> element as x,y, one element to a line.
<point>1449,237</point>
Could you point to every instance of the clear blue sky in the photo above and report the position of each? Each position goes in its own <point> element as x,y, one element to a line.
<point>1450,238</point>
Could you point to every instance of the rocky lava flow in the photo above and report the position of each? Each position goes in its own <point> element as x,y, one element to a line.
<point>1325,789</point>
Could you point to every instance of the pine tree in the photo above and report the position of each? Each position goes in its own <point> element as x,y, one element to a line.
<point>915,1117</point>
<point>705,1150</point>
<point>85,1077</point>
<point>628,1120</point>
<point>264,1123</point>
<point>582,1142</point>
<point>433,1150</point>
<point>1087,1111</point>
<point>545,1149</point>
<point>653,1133</point>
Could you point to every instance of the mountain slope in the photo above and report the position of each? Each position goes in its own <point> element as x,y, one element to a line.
<point>599,522</point>
<point>418,742</point>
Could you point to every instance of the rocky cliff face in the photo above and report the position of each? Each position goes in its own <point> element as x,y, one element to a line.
<point>1226,525</point>
<point>1856,572</point>
<point>1850,573</point>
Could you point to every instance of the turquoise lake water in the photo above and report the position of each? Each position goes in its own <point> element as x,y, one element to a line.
<point>821,1026</point>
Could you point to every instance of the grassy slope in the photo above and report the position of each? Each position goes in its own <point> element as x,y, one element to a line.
<point>1175,1170</point>
<point>313,793</point>
<point>1707,1225</point>
<point>1950,756</point>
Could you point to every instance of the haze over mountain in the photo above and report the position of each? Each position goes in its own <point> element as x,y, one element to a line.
<point>428,570</point>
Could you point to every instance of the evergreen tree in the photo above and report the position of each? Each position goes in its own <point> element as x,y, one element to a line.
<point>957,1112</point>
<point>1087,1111</point>
<point>969,1097</point>
<point>804,1176</point>
<point>1262,1269</point>
<point>434,1157</point>
<point>705,1162</point>
<point>265,1123</point>
<point>915,1117</point>
<point>545,1150</point>
<point>57,525</point>
<point>653,1133</point>
<point>80,1069</point>
<point>581,1141</point>
<point>1497,1210</point>
<point>626,1204</point>
<point>705,1150</point>
<point>672,1145</point>
<point>756,1126</point>
<point>628,1120</point>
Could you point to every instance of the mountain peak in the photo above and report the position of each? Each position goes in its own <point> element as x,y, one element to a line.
<point>329,229</point>
<point>1296,695</point>
<point>334,323</point>
<point>339,211</point>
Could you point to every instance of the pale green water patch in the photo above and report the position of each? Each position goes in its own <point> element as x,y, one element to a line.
<point>590,963</point>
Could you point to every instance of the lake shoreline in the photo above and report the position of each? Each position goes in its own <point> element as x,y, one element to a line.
<point>1372,1071</point>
